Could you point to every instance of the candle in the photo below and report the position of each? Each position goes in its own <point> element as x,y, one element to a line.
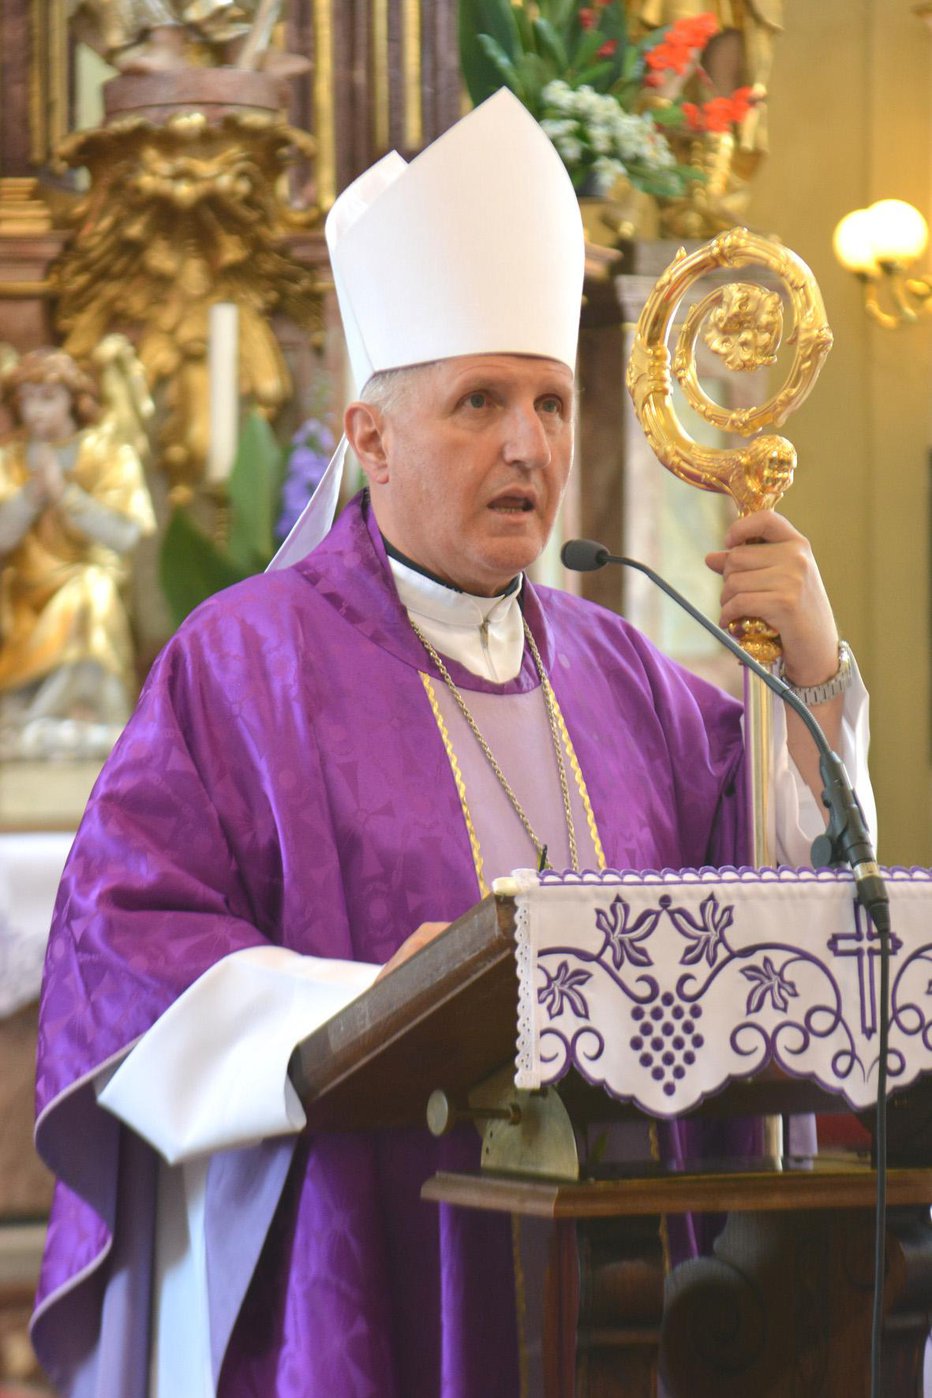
<point>223,372</point>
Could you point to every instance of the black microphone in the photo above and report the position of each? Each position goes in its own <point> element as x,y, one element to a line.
<point>846,839</point>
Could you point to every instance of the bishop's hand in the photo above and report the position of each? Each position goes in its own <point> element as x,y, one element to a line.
<point>424,934</point>
<point>768,571</point>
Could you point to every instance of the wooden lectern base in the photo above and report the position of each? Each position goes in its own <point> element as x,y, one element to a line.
<point>781,1309</point>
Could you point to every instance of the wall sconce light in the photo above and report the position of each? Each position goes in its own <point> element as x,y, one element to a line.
<point>879,245</point>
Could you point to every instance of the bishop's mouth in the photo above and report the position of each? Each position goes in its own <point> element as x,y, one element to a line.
<point>512,505</point>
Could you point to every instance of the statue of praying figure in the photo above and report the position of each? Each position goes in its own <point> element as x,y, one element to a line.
<point>73,506</point>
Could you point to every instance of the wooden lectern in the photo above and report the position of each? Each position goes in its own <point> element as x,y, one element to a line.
<point>782,1307</point>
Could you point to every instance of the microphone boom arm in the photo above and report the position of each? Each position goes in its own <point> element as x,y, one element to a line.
<point>846,839</point>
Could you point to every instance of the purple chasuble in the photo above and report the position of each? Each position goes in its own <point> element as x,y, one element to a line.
<point>283,780</point>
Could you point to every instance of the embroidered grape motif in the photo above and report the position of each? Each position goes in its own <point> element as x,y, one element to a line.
<point>666,1039</point>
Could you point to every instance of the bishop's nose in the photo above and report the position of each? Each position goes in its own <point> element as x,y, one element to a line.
<point>527,443</point>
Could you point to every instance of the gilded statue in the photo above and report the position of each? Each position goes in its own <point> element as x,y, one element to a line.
<point>73,506</point>
<point>758,23</point>
<point>741,55</point>
<point>148,36</point>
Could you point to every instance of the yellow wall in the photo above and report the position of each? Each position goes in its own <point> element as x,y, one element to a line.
<point>851,122</point>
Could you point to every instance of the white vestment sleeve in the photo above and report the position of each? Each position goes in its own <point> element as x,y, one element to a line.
<point>212,1072</point>
<point>800,817</point>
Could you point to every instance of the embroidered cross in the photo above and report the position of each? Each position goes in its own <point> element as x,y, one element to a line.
<point>864,943</point>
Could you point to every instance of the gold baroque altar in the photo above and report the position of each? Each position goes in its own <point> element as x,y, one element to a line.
<point>187,207</point>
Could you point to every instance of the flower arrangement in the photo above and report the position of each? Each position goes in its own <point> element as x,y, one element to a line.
<point>608,101</point>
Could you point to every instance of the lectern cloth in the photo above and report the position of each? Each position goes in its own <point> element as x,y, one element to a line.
<point>664,988</point>
<point>283,782</point>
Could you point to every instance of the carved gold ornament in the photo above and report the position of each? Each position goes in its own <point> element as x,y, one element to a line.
<point>181,214</point>
<point>743,324</point>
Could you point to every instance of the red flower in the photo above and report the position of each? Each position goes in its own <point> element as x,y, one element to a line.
<point>741,103</point>
<point>682,41</point>
<point>666,57</point>
<point>719,114</point>
<point>695,32</point>
<point>588,18</point>
<point>607,49</point>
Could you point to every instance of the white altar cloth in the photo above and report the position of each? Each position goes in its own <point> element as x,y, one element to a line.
<point>662,988</point>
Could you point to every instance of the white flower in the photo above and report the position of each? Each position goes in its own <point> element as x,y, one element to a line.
<point>557,94</point>
<point>558,126</point>
<point>592,133</point>
<point>570,149</point>
<point>606,172</point>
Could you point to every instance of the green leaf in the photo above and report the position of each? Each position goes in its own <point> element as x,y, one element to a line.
<point>588,46</point>
<point>560,13</point>
<point>524,27</point>
<point>668,116</point>
<point>192,567</point>
<point>494,19</point>
<point>551,46</point>
<point>502,64</point>
<point>534,75</point>
<point>632,64</point>
<point>614,26</point>
<point>254,489</point>
<point>594,77</point>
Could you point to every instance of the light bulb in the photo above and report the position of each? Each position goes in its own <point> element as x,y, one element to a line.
<point>853,242</point>
<point>898,232</point>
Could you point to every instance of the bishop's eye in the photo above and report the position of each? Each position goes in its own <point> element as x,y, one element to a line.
<point>477,399</point>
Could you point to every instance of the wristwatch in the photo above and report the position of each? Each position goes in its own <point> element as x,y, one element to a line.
<point>811,694</point>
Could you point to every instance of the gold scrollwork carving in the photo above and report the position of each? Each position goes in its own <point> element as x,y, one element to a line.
<point>180,214</point>
<point>743,324</point>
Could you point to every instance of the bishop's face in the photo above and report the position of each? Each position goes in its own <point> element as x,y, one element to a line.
<point>475,462</point>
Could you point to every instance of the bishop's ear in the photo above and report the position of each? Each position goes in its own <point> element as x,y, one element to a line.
<point>364,425</point>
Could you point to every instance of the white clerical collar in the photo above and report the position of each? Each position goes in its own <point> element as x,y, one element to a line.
<point>485,634</point>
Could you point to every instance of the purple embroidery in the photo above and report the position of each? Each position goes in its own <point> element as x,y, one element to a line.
<point>688,987</point>
<point>864,943</point>
<point>564,985</point>
<point>624,941</point>
<point>707,933</point>
<point>769,983</point>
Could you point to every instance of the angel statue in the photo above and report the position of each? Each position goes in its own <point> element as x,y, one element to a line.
<point>73,506</point>
<point>147,36</point>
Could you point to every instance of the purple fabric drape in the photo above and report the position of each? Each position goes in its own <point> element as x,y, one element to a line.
<point>283,780</point>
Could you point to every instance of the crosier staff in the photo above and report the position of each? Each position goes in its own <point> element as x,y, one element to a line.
<point>743,326</point>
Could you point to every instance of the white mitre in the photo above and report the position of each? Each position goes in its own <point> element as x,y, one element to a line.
<point>476,247</point>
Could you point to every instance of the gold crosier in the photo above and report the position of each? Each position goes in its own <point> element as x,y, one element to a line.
<point>744,327</point>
